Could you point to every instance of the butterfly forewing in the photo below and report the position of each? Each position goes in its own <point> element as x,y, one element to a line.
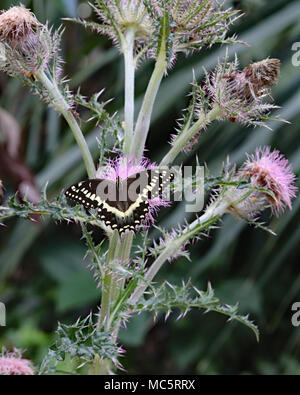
<point>122,205</point>
<point>85,193</point>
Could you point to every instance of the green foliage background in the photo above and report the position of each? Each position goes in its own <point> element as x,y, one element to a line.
<point>42,275</point>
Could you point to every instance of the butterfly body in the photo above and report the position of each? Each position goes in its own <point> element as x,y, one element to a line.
<point>123,204</point>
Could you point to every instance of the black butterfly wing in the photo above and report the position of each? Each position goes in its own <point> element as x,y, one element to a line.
<point>87,194</point>
<point>123,205</point>
<point>84,193</point>
<point>148,184</point>
<point>140,189</point>
<point>102,195</point>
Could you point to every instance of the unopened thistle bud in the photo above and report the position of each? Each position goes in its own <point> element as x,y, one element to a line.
<point>197,23</point>
<point>240,95</point>
<point>125,15</point>
<point>12,364</point>
<point>28,44</point>
<point>272,184</point>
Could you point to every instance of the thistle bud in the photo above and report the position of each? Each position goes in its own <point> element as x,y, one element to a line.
<point>126,14</point>
<point>263,73</point>
<point>247,85</point>
<point>17,23</point>
<point>241,95</point>
<point>27,45</point>
<point>272,184</point>
<point>198,23</point>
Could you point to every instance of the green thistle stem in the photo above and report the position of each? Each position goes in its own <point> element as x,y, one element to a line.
<point>185,137</point>
<point>128,50</point>
<point>61,105</point>
<point>112,285</point>
<point>123,256</point>
<point>107,281</point>
<point>103,367</point>
<point>144,119</point>
<point>100,367</point>
<point>213,213</point>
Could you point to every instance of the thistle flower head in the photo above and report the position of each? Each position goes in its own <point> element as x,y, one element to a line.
<point>272,184</point>
<point>272,171</point>
<point>123,168</point>
<point>263,73</point>
<point>241,95</point>
<point>12,364</point>
<point>17,23</point>
<point>121,15</point>
<point>27,46</point>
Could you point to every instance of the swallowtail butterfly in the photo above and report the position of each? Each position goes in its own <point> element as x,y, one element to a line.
<point>123,205</point>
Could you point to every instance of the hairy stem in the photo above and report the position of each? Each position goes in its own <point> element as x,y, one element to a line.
<point>128,50</point>
<point>119,283</point>
<point>144,119</point>
<point>183,139</point>
<point>123,255</point>
<point>61,105</point>
<point>112,285</point>
<point>114,241</point>
<point>100,367</point>
<point>212,214</point>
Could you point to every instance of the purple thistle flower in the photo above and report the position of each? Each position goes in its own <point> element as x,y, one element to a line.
<point>12,364</point>
<point>271,170</point>
<point>122,167</point>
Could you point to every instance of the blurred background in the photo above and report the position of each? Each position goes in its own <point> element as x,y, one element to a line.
<point>43,278</point>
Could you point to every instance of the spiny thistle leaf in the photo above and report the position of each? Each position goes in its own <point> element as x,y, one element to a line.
<point>164,37</point>
<point>169,297</point>
<point>190,114</point>
<point>97,27</point>
<point>112,133</point>
<point>197,24</point>
<point>106,14</point>
<point>31,55</point>
<point>81,342</point>
<point>98,257</point>
<point>57,210</point>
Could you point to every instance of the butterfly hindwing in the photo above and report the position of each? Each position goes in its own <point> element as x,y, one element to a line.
<point>123,205</point>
